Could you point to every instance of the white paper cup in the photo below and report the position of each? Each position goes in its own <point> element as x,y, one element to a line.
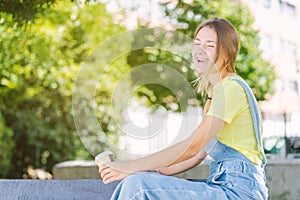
<point>104,157</point>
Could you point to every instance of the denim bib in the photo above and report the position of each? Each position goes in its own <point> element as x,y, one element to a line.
<point>219,151</point>
<point>233,170</point>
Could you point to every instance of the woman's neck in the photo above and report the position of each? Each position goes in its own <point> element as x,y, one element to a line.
<point>217,77</point>
<point>214,79</point>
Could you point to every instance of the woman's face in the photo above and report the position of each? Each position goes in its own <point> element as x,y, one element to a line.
<point>204,50</point>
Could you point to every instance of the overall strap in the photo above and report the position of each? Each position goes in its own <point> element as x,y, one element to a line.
<point>255,117</point>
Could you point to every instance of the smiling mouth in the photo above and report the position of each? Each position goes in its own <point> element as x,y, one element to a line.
<point>201,60</point>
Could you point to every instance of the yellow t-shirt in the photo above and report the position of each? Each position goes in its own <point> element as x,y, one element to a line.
<point>230,104</point>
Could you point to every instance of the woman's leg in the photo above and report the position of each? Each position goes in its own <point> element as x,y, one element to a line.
<point>153,186</point>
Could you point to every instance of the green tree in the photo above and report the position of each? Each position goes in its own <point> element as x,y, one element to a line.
<point>23,12</point>
<point>37,76</point>
<point>186,17</point>
<point>6,146</point>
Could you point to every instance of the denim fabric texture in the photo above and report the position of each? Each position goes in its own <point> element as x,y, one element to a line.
<point>255,118</point>
<point>232,175</point>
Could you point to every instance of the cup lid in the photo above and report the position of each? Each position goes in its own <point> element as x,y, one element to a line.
<point>105,153</point>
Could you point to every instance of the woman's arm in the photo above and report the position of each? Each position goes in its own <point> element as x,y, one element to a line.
<point>184,165</point>
<point>188,148</point>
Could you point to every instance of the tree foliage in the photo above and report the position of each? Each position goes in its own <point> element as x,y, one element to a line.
<point>37,76</point>
<point>186,16</point>
<point>6,146</point>
<point>23,11</point>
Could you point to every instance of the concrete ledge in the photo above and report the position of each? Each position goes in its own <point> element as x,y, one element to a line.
<point>55,189</point>
<point>78,169</point>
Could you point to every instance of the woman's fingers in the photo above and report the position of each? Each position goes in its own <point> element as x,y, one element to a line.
<point>102,167</point>
<point>108,178</point>
<point>105,172</point>
<point>109,175</point>
<point>112,171</point>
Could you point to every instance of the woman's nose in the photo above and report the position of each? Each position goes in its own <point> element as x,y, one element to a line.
<point>199,50</point>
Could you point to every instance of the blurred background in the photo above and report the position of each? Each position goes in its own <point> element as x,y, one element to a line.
<point>44,42</point>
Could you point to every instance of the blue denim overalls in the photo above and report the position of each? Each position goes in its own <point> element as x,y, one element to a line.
<point>232,175</point>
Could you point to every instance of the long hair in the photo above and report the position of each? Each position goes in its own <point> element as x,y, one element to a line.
<point>227,49</point>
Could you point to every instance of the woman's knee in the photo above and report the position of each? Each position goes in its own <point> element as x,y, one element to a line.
<point>137,180</point>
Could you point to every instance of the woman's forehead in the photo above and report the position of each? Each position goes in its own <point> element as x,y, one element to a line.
<point>206,34</point>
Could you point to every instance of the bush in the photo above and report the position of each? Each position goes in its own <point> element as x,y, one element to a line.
<point>6,146</point>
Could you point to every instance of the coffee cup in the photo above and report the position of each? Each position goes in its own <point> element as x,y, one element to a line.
<point>104,157</point>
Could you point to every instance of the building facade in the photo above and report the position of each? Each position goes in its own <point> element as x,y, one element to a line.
<point>278,24</point>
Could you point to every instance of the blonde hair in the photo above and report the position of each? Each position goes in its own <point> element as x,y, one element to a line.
<point>227,49</point>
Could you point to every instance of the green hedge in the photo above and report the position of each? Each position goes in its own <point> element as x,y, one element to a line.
<point>6,146</point>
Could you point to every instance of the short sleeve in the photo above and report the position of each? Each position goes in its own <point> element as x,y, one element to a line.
<point>228,100</point>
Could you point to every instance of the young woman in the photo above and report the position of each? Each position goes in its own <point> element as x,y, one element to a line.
<point>230,133</point>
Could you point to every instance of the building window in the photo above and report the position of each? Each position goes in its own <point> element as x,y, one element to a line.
<point>267,3</point>
<point>287,8</point>
<point>265,42</point>
<point>277,45</point>
<point>262,3</point>
<point>288,48</point>
<point>285,85</point>
<point>253,1</point>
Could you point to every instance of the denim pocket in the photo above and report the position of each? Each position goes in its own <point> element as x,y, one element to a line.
<point>219,178</point>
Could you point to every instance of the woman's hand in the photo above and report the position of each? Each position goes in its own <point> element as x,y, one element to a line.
<point>114,171</point>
